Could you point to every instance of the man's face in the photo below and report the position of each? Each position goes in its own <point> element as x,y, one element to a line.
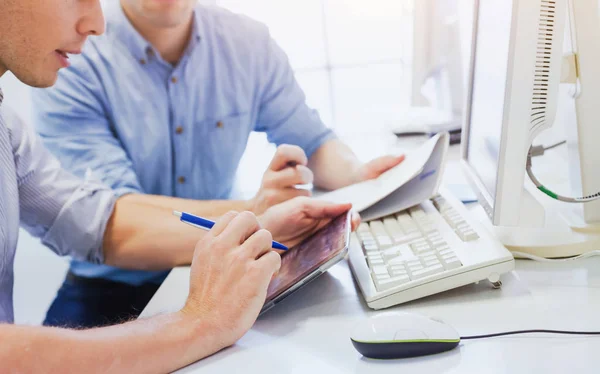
<point>37,35</point>
<point>160,13</point>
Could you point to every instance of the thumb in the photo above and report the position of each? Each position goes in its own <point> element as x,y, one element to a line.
<point>322,209</point>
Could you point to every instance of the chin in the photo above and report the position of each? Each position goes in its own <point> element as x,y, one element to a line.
<point>41,81</point>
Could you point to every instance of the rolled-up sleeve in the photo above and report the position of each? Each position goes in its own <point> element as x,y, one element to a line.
<point>283,113</point>
<point>68,214</point>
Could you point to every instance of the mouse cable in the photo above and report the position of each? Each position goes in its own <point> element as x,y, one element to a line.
<point>565,259</point>
<point>535,151</point>
<point>561,332</point>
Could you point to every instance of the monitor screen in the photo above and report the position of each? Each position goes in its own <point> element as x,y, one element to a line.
<point>490,69</point>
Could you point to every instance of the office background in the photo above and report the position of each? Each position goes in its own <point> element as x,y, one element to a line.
<point>353,60</point>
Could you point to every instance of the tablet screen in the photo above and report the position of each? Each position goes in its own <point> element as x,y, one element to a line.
<point>301,260</point>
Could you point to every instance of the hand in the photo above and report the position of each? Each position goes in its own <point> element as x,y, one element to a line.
<point>231,270</point>
<point>376,167</point>
<point>293,221</point>
<point>287,170</point>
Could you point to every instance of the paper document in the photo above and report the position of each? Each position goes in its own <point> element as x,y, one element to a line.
<point>416,179</point>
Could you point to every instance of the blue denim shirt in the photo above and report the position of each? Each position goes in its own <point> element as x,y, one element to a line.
<point>142,125</point>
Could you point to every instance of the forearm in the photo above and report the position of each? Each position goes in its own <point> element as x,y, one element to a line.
<point>204,208</point>
<point>334,165</point>
<point>156,345</point>
<point>142,236</point>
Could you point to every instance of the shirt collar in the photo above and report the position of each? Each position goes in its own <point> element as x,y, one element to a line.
<point>1,96</point>
<point>118,24</point>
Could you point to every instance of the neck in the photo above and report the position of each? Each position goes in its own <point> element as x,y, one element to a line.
<point>2,71</point>
<point>170,42</point>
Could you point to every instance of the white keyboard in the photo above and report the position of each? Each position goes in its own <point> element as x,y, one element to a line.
<point>427,249</point>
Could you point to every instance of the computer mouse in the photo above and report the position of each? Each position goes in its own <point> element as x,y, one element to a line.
<point>403,335</point>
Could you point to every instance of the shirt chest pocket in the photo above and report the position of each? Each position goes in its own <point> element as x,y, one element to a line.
<point>224,141</point>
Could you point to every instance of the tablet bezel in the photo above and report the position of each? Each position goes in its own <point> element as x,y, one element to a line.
<point>320,269</point>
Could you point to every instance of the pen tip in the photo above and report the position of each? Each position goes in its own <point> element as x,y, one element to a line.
<point>176,213</point>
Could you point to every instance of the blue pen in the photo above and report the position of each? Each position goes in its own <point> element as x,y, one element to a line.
<point>206,224</point>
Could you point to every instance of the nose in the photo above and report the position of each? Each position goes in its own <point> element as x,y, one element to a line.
<point>92,22</point>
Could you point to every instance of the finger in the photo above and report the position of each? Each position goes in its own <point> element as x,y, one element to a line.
<point>268,264</point>
<point>223,222</point>
<point>289,177</point>
<point>258,244</point>
<point>288,154</point>
<point>355,219</point>
<point>324,209</point>
<point>382,164</point>
<point>240,228</point>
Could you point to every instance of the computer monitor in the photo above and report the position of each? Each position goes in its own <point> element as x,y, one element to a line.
<point>513,96</point>
<point>437,79</point>
<point>436,56</point>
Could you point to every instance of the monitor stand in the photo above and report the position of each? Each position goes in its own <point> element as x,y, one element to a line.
<point>558,235</point>
<point>427,121</point>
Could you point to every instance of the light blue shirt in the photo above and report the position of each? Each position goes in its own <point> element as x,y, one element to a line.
<point>144,126</point>
<point>69,215</point>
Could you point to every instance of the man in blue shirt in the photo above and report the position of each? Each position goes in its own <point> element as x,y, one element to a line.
<point>231,265</point>
<point>163,103</point>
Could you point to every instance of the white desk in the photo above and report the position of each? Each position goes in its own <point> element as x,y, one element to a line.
<point>309,331</point>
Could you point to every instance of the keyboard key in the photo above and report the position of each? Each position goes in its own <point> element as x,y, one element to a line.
<point>390,253</point>
<point>397,270</point>
<point>400,260</point>
<point>384,241</point>
<point>468,235</point>
<point>446,252</point>
<point>407,238</point>
<point>413,262</point>
<point>375,261</point>
<point>439,243</point>
<point>452,263</point>
<point>427,271</point>
<point>386,284</point>
<point>422,249</point>
<point>377,228</point>
<point>379,270</point>
<point>430,252</point>
<point>393,227</point>
<point>432,263</point>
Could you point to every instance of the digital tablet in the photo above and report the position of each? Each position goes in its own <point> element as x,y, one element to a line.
<point>309,259</point>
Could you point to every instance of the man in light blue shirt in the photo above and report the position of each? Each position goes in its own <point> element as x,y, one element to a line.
<point>163,104</point>
<point>231,265</point>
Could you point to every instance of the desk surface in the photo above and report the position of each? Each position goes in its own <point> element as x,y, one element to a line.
<point>310,330</point>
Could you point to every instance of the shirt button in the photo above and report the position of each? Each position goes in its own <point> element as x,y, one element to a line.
<point>220,125</point>
<point>174,79</point>
<point>181,180</point>
<point>179,130</point>
<point>143,61</point>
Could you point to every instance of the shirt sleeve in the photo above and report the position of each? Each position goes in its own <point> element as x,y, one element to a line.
<point>74,123</point>
<point>283,113</point>
<point>68,214</point>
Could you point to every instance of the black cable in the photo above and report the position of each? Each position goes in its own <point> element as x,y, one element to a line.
<point>555,145</point>
<point>530,332</point>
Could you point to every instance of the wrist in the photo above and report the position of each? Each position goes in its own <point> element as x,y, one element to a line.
<point>249,205</point>
<point>356,175</point>
<point>203,333</point>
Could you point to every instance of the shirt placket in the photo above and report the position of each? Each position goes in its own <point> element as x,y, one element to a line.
<point>177,127</point>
